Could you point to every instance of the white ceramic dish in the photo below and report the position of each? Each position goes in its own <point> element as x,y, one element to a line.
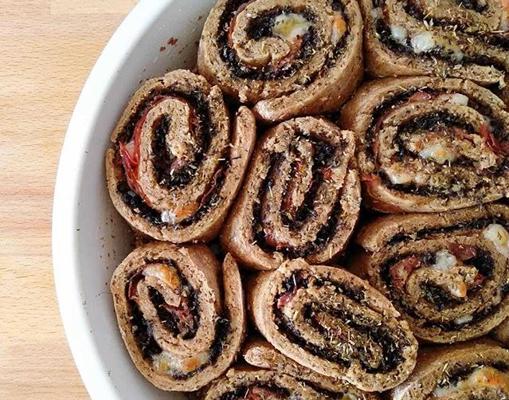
<point>89,238</point>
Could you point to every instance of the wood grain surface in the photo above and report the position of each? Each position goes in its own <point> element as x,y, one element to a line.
<point>47,48</point>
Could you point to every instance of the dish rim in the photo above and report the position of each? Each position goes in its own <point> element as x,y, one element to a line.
<point>64,236</point>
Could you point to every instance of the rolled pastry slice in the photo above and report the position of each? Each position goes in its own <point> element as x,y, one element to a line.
<point>177,160</point>
<point>461,39</point>
<point>290,58</point>
<point>301,197</point>
<point>501,333</point>
<point>334,323</point>
<point>261,354</point>
<point>448,274</point>
<point>179,329</point>
<point>428,144</point>
<point>466,371</point>
<point>243,383</point>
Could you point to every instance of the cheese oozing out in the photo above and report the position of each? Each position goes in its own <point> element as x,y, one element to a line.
<point>169,363</point>
<point>439,153</point>
<point>399,34</point>
<point>444,260</point>
<point>423,42</point>
<point>499,236</point>
<point>290,26</point>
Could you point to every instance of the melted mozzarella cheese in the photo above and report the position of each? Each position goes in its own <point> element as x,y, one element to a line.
<point>444,260</point>
<point>499,236</point>
<point>423,42</point>
<point>289,26</point>
<point>167,362</point>
<point>438,152</point>
<point>399,33</point>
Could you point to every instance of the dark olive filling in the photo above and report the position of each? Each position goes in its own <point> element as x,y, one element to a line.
<point>476,224</point>
<point>166,175</point>
<point>384,35</point>
<point>413,9</point>
<point>431,121</point>
<point>437,296</point>
<point>142,330</point>
<point>258,390</point>
<point>261,27</point>
<point>322,158</point>
<point>391,343</point>
<point>175,177</point>
<point>461,372</point>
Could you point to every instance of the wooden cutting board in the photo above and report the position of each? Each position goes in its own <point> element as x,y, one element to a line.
<point>47,48</point>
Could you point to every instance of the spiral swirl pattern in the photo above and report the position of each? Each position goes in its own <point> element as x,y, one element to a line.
<point>180,332</point>
<point>463,39</point>
<point>448,274</point>
<point>334,323</point>
<point>177,160</point>
<point>258,384</point>
<point>472,370</point>
<point>426,144</point>
<point>301,197</point>
<point>288,58</point>
<point>261,354</point>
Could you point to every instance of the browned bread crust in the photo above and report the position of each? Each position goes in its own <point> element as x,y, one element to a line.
<point>284,76</point>
<point>444,272</point>
<point>334,323</point>
<point>176,345</point>
<point>174,179</point>
<point>301,197</point>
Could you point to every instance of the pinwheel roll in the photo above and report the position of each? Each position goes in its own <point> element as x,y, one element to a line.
<point>466,371</point>
<point>301,197</point>
<point>261,354</point>
<point>448,274</point>
<point>181,333</point>
<point>334,323</point>
<point>427,144</point>
<point>501,332</point>
<point>177,160</point>
<point>462,39</point>
<point>287,58</point>
<point>259,384</point>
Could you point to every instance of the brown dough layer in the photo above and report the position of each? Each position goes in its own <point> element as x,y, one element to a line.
<point>176,160</point>
<point>427,144</point>
<point>451,38</point>
<point>301,197</point>
<point>334,323</point>
<point>443,373</point>
<point>180,330</point>
<point>501,332</point>
<point>244,383</point>
<point>249,49</point>
<point>261,354</point>
<point>440,270</point>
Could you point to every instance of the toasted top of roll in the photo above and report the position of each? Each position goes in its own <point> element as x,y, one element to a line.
<point>464,39</point>
<point>428,144</point>
<point>180,323</point>
<point>301,197</point>
<point>177,159</point>
<point>259,353</point>
<point>288,59</point>
<point>241,382</point>
<point>447,273</point>
<point>334,323</point>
